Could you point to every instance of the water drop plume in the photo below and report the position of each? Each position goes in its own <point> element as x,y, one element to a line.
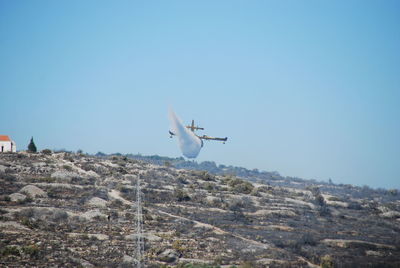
<point>189,144</point>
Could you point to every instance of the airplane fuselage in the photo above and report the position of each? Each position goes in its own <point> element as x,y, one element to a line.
<point>192,127</point>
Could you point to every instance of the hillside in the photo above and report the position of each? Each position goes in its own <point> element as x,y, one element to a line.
<point>75,210</point>
<point>272,178</point>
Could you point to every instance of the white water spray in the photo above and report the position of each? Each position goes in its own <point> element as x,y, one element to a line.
<point>189,144</point>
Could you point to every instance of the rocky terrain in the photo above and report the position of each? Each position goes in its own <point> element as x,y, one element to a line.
<point>74,210</point>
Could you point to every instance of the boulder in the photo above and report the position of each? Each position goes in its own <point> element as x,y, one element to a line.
<point>391,214</point>
<point>33,191</point>
<point>15,197</point>
<point>64,176</point>
<point>97,202</point>
<point>213,200</point>
<point>128,259</point>
<point>168,255</point>
<point>89,215</point>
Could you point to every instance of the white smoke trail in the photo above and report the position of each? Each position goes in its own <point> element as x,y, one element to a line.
<point>189,144</point>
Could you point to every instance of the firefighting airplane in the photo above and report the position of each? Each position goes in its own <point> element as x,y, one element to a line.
<point>204,137</point>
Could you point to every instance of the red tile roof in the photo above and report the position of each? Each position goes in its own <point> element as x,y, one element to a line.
<point>4,138</point>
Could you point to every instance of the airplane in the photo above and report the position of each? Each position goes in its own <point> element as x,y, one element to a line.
<point>192,127</point>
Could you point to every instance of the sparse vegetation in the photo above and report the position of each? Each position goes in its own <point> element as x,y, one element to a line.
<point>194,215</point>
<point>327,262</point>
<point>31,250</point>
<point>10,250</point>
<point>7,177</point>
<point>179,246</point>
<point>42,179</point>
<point>240,186</point>
<point>47,152</point>
<point>67,167</point>
<point>181,195</point>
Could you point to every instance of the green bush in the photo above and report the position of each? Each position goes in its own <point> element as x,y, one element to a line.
<point>67,168</point>
<point>307,239</point>
<point>181,195</point>
<point>167,164</point>
<point>208,186</point>
<point>247,265</point>
<point>59,216</point>
<point>240,186</point>
<point>32,250</point>
<point>203,175</point>
<point>326,262</point>
<point>10,250</point>
<point>47,151</point>
<point>335,198</point>
<point>29,223</point>
<point>179,246</point>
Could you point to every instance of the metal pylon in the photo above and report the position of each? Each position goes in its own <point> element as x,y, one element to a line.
<point>139,227</point>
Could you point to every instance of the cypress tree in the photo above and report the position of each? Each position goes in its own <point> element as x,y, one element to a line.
<point>32,147</point>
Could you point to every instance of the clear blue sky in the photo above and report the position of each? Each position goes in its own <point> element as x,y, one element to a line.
<point>306,88</point>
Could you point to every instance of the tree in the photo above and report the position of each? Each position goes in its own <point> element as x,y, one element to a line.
<point>32,147</point>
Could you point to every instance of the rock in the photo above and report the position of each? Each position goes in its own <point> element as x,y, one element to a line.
<point>8,225</point>
<point>147,236</point>
<point>83,263</point>
<point>391,214</point>
<point>168,255</point>
<point>373,253</point>
<point>101,237</point>
<point>337,204</point>
<point>196,261</point>
<point>97,202</point>
<point>127,259</point>
<point>91,173</point>
<point>33,191</point>
<point>64,176</point>
<point>15,197</point>
<point>39,164</point>
<point>212,200</point>
<point>86,264</point>
<point>92,214</point>
<point>152,237</point>
<point>343,243</point>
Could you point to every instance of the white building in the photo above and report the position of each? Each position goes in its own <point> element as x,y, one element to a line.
<point>7,145</point>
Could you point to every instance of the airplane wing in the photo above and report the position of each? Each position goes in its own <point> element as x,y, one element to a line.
<point>204,137</point>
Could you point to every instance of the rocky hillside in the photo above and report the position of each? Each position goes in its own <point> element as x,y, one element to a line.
<point>272,178</point>
<point>74,210</point>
